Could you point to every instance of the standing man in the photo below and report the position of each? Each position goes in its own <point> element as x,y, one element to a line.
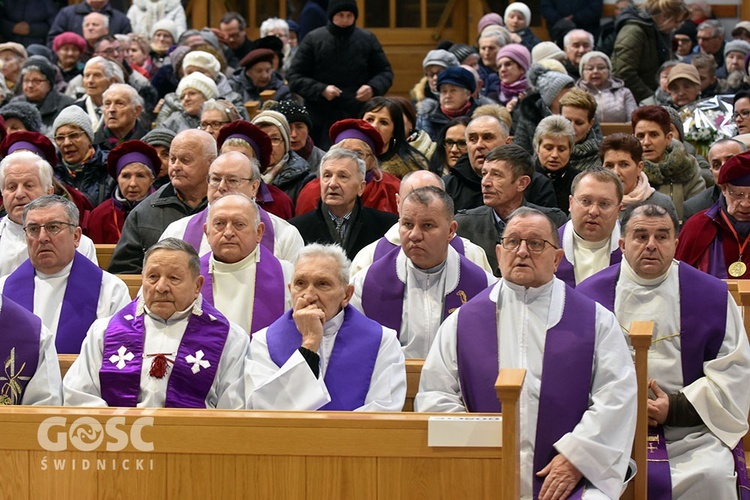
<point>337,69</point>
<point>70,18</point>
<point>699,361</point>
<point>579,397</point>
<point>232,27</point>
<point>711,40</point>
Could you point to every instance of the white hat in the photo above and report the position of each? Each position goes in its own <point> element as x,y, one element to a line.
<point>199,82</point>
<point>518,7</point>
<point>203,60</point>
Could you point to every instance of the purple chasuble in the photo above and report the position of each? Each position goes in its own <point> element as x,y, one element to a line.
<point>192,373</point>
<point>194,230</point>
<point>383,292</point>
<point>384,246</point>
<point>269,288</point>
<point>701,336</point>
<point>566,369</point>
<point>19,350</point>
<point>352,362</point>
<point>79,302</point>
<point>565,270</point>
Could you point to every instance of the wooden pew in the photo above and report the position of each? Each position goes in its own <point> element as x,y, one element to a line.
<point>65,360</point>
<point>104,254</point>
<point>612,128</point>
<point>413,372</point>
<point>133,281</point>
<point>196,454</point>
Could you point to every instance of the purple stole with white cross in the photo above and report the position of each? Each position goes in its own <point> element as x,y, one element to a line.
<point>352,361</point>
<point>566,369</point>
<point>194,368</point>
<point>701,336</point>
<point>79,302</point>
<point>19,350</point>
<point>194,230</point>
<point>383,291</point>
<point>565,270</point>
<point>269,288</point>
<point>384,246</point>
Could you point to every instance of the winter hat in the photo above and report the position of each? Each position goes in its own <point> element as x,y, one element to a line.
<point>166,25</point>
<point>686,71</point>
<point>36,49</point>
<point>202,60</point>
<point>30,141</point>
<point>69,38</point>
<point>742,25</point>
<point>14,47</point>
<point>336,6</point>
<point>548,83</point>
<point>518,7</point>
<point>736,170</point>
<point>258,55</point>
<point>353,128</point>
<point>462,51</point>
<point>674,115</point>
<point>74,115</point>
<point>177,55</point>
<point>546,50</point>
<point>199,82</point>
<point>25,112</point>
<point>41,64</point>
<point>459,77</point>
<point>253,135</point>
<point>590,55</point>
<point>160,136</point>
<point>488,20</point>
<point>440,57</point>
<point>517,53</point>
<point>689,29</point>
<point>294,112</point>
<point>293,26</point>
<point>553,65</point>
<point>133,152</point>
<point>269,117</point>
<point>737,46</point>
<point>210,37</point>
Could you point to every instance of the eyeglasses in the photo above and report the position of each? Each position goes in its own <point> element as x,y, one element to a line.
<point>604,206</point>
<point>73,136</point>
<point>34,82</point>
<point>740,114</point>
<point>449,143</point>
<point>232,182</point>
<point>535,245</point>
<point>212,125</point>
<point>276,140</point>
<point>53,228</point>
<point>741,196</point>
<point>705,38</point>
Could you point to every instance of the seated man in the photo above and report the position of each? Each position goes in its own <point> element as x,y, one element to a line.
<point>578,401</point>
<point>300,361</point>
<point>590,239</point>
<point>166,349</point>
<point>233,172</point>
<point>392,239</point>
<point>714,240</point>
<point>24,177</point>
<point>506,171</point>
<point>122,107</point>
<point>56,282</point>
<point>699,363</point>
<point>341,216</point>
<point>242,278</point>
<point>32,373</point>
<point>412,289</point>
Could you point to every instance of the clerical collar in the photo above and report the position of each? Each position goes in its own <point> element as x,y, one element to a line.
<point>332,326</point>
<point>62,272</point>
<point>224,267</point>
<point>590,245</point>
<point>630,273</point>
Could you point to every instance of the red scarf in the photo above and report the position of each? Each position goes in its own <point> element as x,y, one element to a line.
<point>462,111</point>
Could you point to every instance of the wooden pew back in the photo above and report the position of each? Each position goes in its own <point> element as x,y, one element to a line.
<point>104,254</point>
<point>413,373</point>
<point>740,290</point>
<point>133,281</point>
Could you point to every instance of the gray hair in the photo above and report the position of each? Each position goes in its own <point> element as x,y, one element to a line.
<point>51,200</point>
<point>566,38</point>
<point>339,153</point>
<point>44,170</point>
<point>524,212</point>
<point>500,35</point>
<point>222,106</point>
<point>105,19</point>
<point>714,25</point>
<point>176,245</point>
<point>135,99</point>
<point>256,219</point>
<point>500,123</point>
<point>554,126</point>
<point>111,70</point>
<point>271,23</point>
<point>332,251</point>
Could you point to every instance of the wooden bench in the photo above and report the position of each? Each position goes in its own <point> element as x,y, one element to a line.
<point>613,128</point>
<point>413,372</point>
<point>740,290</point>
<point>133,281</point>
<point>104,254</point>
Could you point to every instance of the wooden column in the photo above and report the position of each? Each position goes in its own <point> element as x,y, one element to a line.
<point>508,387</point>
<point>640,335</point>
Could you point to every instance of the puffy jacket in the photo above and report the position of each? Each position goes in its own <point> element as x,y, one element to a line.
<point>244,86</point>
<point>614,103</point>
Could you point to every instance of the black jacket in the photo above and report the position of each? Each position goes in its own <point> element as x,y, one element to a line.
<point>93,180</point>
<point>70,18</point>
<point>464,185</point>
<point>561,180</point>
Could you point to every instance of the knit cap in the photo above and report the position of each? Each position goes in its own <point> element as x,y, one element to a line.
<point>674,115</point>
<point>548,83</point>
<point>269,117</point>
<point>74,115</point>
<point>737,46</point>
<point>440,57</point>
<point>517,53</point>
<point>202,60</point>
<point>160,136</point>
<point>518,7</point>
<point>336,6</point>
<point>462,51</point>
<point>489,20</point>
<point>294,112</point>
<point>199,82</point>
<point>166,25</point>
<point>41,64</point>
<point>591,55</point>
<point>69,38</point>
<point>546,50</point>
<point>25,112</point>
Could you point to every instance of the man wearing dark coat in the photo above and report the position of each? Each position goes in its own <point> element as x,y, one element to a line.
<point>70,18</point>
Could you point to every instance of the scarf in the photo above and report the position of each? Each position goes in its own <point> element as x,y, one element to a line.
<point>95,113</point>
<point>511,90</point>
<point>640,192</point>
<point>462,111</point>
<point>676,167</point>
<point>306,150</point>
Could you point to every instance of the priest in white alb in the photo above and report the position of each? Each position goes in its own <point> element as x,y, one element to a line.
<point>167,348</point>
<point>578,402</point>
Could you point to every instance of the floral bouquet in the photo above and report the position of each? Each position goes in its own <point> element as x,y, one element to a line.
<point>706,121</point>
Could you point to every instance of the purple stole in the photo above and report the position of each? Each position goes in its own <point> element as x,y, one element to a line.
<point>384,246</point>
<point>79,302</point>
<point>565,269</point>
<point>383,291</point>
<point>194,230</point>
<point>566,369</point>
<point>352,360</point>
<point>269,288</point>
<point>194,367</point>
<point>701,336</point>
<point>19,349</point>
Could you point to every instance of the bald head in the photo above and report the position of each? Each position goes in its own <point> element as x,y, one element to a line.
<point>233,172</point>
<point>233,228</point>
<point>418,179</point>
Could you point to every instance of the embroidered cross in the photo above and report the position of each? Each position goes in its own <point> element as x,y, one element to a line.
<point>197,361</point>
<point>651,447</point>
<point>121,358</point>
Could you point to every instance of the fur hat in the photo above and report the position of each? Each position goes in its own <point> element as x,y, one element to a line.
<point>353,128</point>
<point>199,82</point>
<point>202,60</point>
<point>25,112</point>
<point>253,135</point>
<point>43,65</point>
<point>69,38</point>
<point>74,115</point>
<point>548,83</point>
<point>30,141</point>
<point>336,6</point>
<point>160,136</point>
<point>439,57</point>
<point>133,152</point>
<point>518,7</point>
<point>294,112</point>
<point>269,117</point>
<point>516,52</point>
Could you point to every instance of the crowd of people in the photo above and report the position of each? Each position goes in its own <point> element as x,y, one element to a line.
<point>300,232</point>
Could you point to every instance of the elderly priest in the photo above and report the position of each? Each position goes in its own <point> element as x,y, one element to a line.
<point>578,403</point>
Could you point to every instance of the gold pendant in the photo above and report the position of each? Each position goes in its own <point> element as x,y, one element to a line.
<point>737,269</point>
